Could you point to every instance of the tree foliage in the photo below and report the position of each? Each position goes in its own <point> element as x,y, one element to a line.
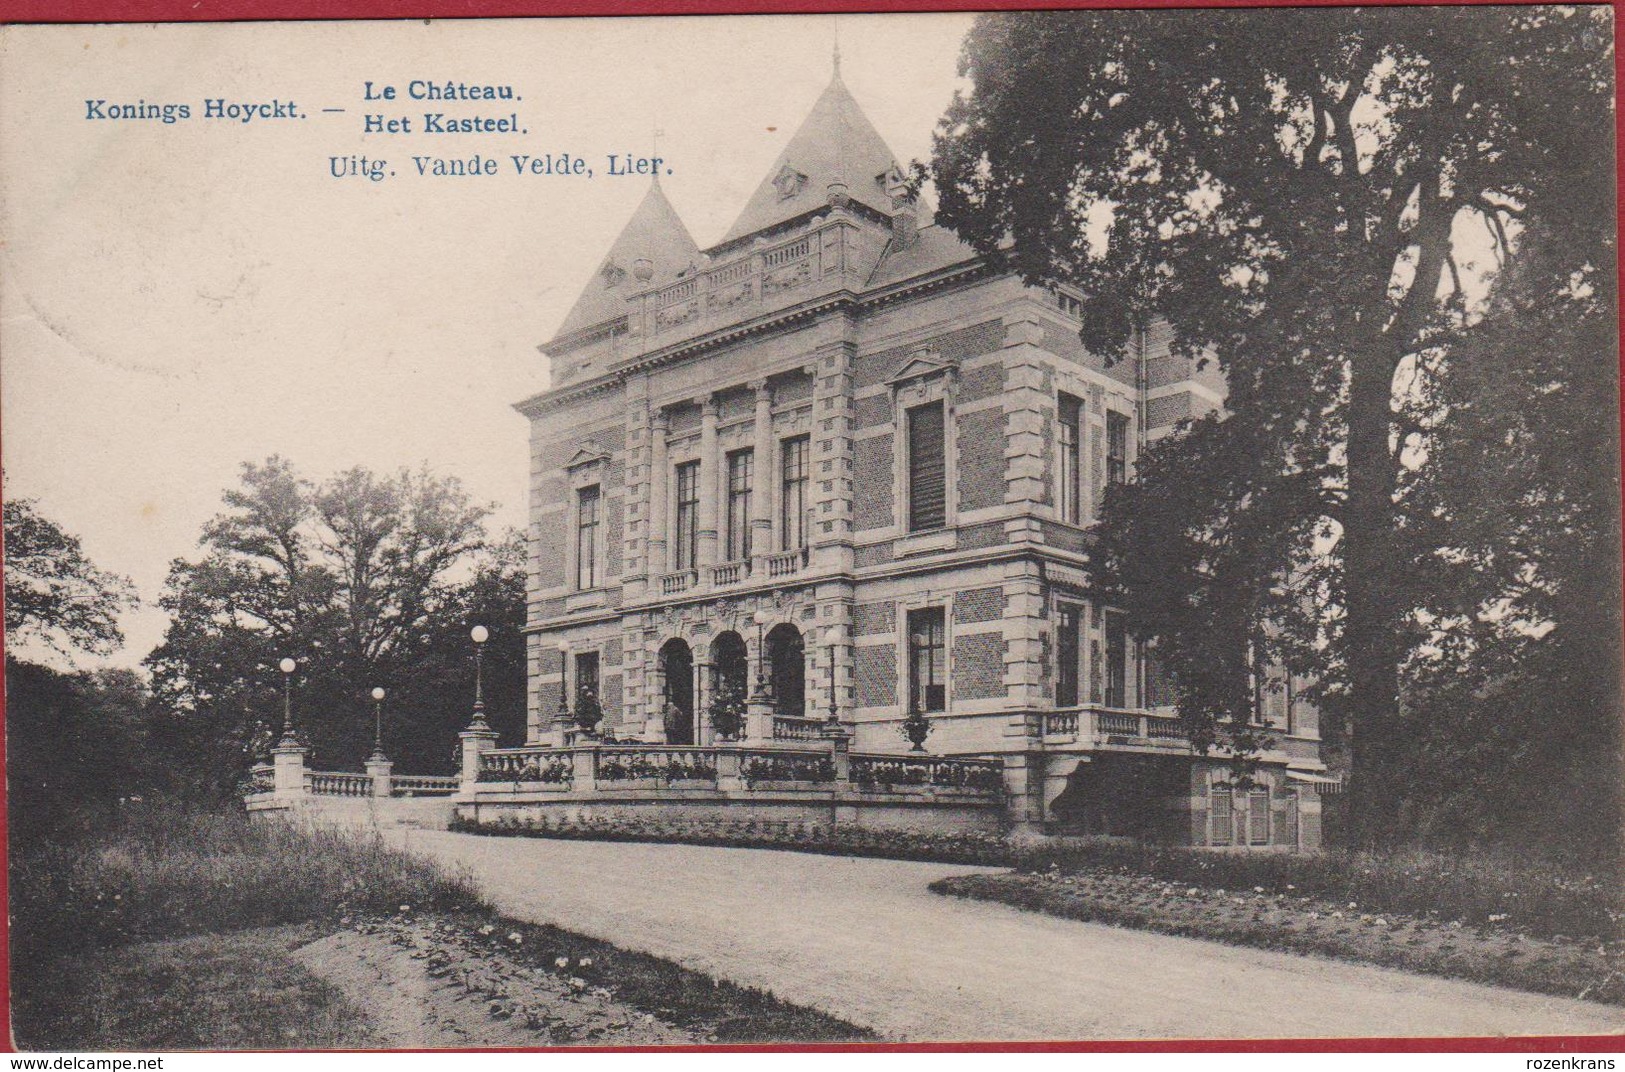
<point>1318,201</point>
<point>364,581</point>
<point>53,592</point>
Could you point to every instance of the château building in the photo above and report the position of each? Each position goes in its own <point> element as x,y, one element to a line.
<point>839,465</point>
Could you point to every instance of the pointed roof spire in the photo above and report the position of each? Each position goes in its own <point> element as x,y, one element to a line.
<point>836,143</point>
<point>656,234</point>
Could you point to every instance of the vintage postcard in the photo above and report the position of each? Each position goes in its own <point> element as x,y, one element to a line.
<point>1070,526</point>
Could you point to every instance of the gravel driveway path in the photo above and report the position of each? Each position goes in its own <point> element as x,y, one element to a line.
<point>864,940</point>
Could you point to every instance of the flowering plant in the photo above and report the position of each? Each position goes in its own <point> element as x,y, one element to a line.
<point>727,709</point>
<point>589,712</point>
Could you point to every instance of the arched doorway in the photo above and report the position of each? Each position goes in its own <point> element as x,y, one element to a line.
<point>787,670</point>
<point>677,691</point>
<point>730,666</point>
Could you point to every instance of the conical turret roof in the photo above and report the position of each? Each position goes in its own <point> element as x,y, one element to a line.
<point>836,143</point>
<point>654,233</point>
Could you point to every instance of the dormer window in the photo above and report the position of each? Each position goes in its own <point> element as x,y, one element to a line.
<point>789,182</point>
<point>612,274</point>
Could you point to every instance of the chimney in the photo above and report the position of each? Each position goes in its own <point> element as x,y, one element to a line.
<point>904,219</point>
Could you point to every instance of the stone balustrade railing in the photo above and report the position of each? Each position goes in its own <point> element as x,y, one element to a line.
<point>333,784</point>
<point>595,768</point>
<point>786,728</point>
<point>1104,723</point>
<point>423,785</point>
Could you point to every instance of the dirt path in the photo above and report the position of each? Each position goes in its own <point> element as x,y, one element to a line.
<point>864,940</point>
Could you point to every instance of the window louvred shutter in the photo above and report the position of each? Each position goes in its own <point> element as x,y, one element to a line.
<point>927,474</point>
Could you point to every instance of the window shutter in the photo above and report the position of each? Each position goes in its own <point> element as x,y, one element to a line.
<point>927,470</point>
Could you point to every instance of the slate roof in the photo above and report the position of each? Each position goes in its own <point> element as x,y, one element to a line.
<point>656,233</point>
<point>836,143</point>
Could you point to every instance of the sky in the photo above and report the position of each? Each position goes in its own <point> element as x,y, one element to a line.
<point>177,299</point>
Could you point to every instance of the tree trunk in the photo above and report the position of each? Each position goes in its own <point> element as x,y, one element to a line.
<point>1371,634</point>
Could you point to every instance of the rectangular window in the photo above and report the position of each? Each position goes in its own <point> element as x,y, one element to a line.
<point>1221,816</point>
<point>587,675</point>
<point>687,550</point>
<point>587,501</point>
<point>927,660</point>
<point>1258,817</point>
<point>1070,499</point>
<point>1068,638</point>
<point>927,469</point>
<point>1116,448</point>
<point>741,474</point>
<point>793,493</point>
<point>1116,661</point>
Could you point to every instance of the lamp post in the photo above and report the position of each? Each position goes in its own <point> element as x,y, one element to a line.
<point>761,619</point>
<point>832,636</point>
<point>378,725</point>
<point>289,740</point>
<point>479,634</point>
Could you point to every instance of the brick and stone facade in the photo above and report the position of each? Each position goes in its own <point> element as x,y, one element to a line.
<point>698,396</point>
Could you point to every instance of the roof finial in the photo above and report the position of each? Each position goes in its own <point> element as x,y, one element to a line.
<point>654,151</point>
<point>837,46</point>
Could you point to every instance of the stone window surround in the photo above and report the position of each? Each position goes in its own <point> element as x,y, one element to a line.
<point>1241,808</point>
<point>586,470</point>
<point>765,430</point>
<point>924,379</point>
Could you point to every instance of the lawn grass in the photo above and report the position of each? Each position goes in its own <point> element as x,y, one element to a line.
<point>238,990</point>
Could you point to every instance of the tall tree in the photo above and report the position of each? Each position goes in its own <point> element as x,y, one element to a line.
<point>53,592</point>
<point>363,580</point>
<point>1309,198</point>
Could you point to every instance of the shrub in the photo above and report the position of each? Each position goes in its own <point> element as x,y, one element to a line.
<point>1477,889</point>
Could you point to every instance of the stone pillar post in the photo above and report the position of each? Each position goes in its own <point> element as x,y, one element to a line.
<point>659,519</point>
<point>712,484</point>
<point>380,770</point>
<point>759,720</point>
<point>288,770</point>
<point>584,769</point>
<point>475,741</point>
<point>765,467</point>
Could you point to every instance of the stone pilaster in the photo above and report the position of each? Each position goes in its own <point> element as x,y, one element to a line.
<point>659,512</point>
<point>713,486</point>
<point>635,568</point>
<point>1024,622</point>
<point>765,467</point>
<point>830,534</point>
<point>1027,405</point>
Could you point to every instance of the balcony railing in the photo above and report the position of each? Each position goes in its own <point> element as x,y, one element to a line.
<point>681,581</point>
<point>786,563</point>
<point>1104,723</point>
<point>664,765</point>
<point>729,573</point>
